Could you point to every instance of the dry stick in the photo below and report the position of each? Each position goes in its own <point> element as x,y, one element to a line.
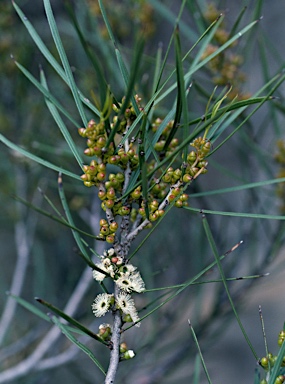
<point>33,360</point>
<point>23,241</point>
<point>30,363</point>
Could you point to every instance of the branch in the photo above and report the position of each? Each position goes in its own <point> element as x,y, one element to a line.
<point>115,352</point>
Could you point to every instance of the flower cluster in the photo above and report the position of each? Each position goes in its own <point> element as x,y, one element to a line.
<point>127,278</point>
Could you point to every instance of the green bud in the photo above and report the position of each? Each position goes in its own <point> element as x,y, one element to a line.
<point>129,354</point>
<point>110,238</point>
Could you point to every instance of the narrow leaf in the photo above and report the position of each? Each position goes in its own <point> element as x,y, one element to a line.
<point>61,125</point>
<point>37,159</point>
<point>71,320</point>
<point>64,60</point>
<point>46,93</point>
<point>76,236</point>
<point>30,307</point>
<point>83,347</point>
<point>49,57</point>
<point>200,352</point>
<point>218,261</point>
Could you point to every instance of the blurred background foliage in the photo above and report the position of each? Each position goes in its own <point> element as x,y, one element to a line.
<point>178,249</point>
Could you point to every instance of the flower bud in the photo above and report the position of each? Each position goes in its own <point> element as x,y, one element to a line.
<point>124,211</point>
<point>104,230</point>
<point>110,238</point>
<point>123,347</point>
<point>101,195</point>
<point>111,194</point>
<point>178,203</point>
<point>109,203</point>
<point>101,176</point>
<point>129,354</point>
<point>187,178</point>
<point>113,226</point>
<point>82,132</point>
<point>191,158</point>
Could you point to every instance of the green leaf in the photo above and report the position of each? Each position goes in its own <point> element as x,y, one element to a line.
<point>71,320</point>
<point>237,214</point>
<point>275,371</point>
<point>130,83</point>
<point>37,159</point>
<point>61,125</point>
<point>83,347</point>
<point>200,352</point>
<point>30,307</point>
<point>101,81</point>
<point>203,62</point>
<point>60,220</point>
<point>64,60</point>
<point>76,236</point>
<point>218,261</point>
<point>46,93</point>
<point>239,187</point>
<point>49,57</point>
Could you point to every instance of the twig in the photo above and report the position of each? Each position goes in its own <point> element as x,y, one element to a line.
<point>115,352</point>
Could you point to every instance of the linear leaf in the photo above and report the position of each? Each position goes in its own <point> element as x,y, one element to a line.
<point>218,261</point>
<point>30,307</point>
<point>76,236</point>
<point>200,353</point>
<point>83,347</point>
<point>61,125</point>
<point>64,60</point>
<point>52,217</point>
<point>237,214</point>
<point>71,320</point>
<point>49,57</point>
<point>46,93</point>
<point>277,365</point>
<point>37,159</point>
<point>102,84</point>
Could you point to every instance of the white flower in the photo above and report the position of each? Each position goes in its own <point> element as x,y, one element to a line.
<point>125,303</point>
<point>98,276</point>
<point>106,262</point>
<point>128,269</point>
<point>127,306</point>
<point>102,304</point>
<point>111,252</point>
<point>137,282</point>
<point>124,283</point>
<point>131,282</point>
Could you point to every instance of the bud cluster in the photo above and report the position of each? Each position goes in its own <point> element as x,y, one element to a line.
<point>125,353</point>
<point>225,67</point>
<point>132,12</point>
<point>267,362</point>
<point>165,186</point>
